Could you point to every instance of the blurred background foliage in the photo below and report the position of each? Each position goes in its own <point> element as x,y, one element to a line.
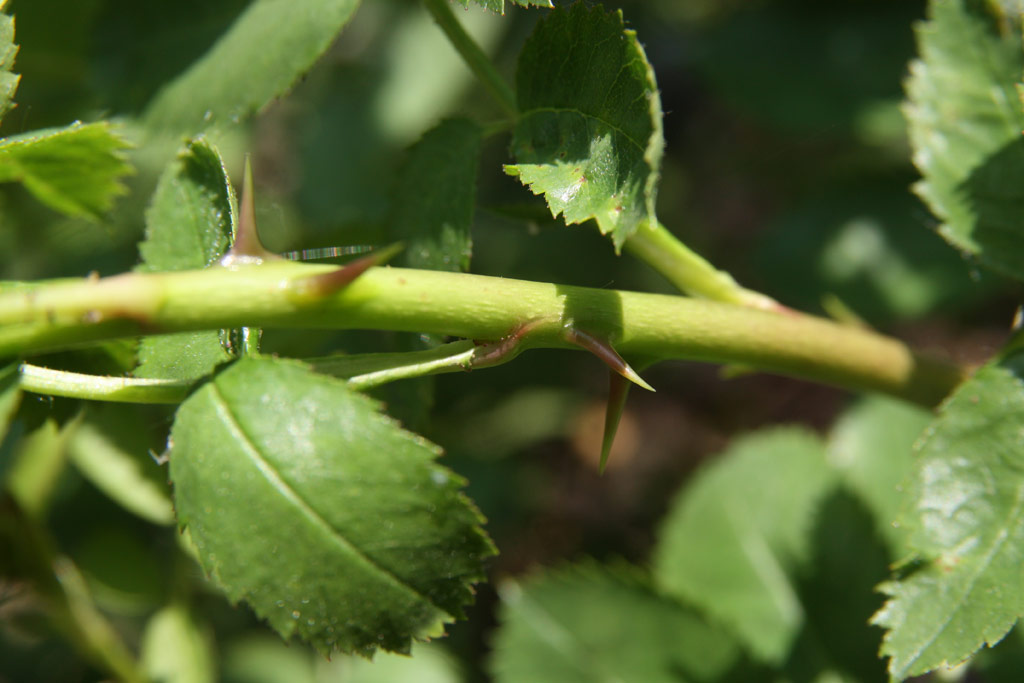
<point>786,163</point>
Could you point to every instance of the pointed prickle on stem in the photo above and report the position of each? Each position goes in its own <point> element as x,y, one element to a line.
<point>247,245</point>
<point>618,390</point>
<point>316,286</point>
<point>603,350</point>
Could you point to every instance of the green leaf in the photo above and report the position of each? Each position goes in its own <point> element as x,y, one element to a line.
<point>589,132</point>
<point>499,5</point>
<point>175,649</point>
<point>8,51</point>
<point>733,540</point>
<point>871,448</point>
<point>268,48</point>
<point>965,521</point>
<point>189,225</point>
<point>190,219</point>
<point>589,623</point>
<point>39,461</point>
<point>965,119</point>
<point>323,514</point>
<point>436,195</point>
<point>74,170</point>
<point>117,462</point>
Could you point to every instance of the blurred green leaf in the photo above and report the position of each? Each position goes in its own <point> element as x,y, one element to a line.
<point>966,117</point>
<point>734,539</point>
<point>262,658</point>
<point>123,573</point>
<point>39,461</point>
<point>428,663</point>
<point>436,195</point>
<point>819,68</point>
<point>268,48</point>
<point>591,623</point>
<point>324,515</point>
<point>176,648</point>
<point>8,51</point>
<point>589,133</point>
<point>10,396</point>
<point>74,170</point>
<point>499,5</point>
<point>189,225</point>
<point>965,521</point>
<point>871,447</point>
<point>860,242</point>
<point>116,460</point>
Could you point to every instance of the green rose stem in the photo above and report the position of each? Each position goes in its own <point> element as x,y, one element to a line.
<point>688,271</point>
<point>471,53</point>
<point>62,314</point>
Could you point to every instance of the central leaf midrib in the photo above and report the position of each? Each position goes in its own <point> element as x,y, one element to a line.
<point>304,508</point>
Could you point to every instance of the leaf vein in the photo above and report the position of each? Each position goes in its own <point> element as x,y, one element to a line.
<point>592,117</point>
<point>1000,540</point>
<point>268,471</point>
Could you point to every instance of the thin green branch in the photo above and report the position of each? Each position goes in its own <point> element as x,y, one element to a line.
<point>474,57</point>
<point>40,380</point>
<point>691,273</point>
<point>65,314</point>
<point>362,371</point>
<point>368,370</point>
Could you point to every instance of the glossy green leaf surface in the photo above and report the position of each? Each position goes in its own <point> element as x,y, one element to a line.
<point>590,623</point>
<point>589,132</point>
<point>75,170</point>
<point>436,195</point>
<point>966,118</point>
<point>732,540</point>
<point>268,48</point>
<point>965,523</point>
<point>331,521</point>
<point>189,225</point>
<point>8,51</point>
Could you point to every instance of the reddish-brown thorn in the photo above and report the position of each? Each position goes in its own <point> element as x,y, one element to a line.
<point>494,353</point>
<point>603,350</point>
<point>247,245</point>
<point>336,280</point>
<point>618,390</point>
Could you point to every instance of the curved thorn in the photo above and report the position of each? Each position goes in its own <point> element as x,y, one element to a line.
<point>333,281</point>
<point>505,349</point>
<point>603,350</point>
<point>618,390</point>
